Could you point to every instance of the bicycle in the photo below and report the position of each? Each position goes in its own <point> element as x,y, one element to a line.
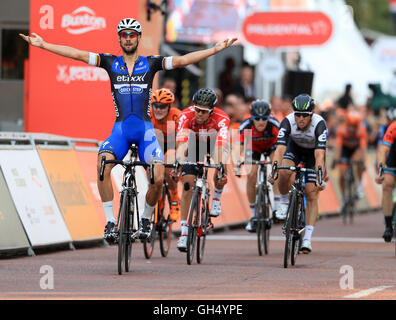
<point>381,172</point>
<point>198,218</point>
<point>294,224</point>
<point>161,223</point>
<point>263,205</point>
<point>128,221</point>
<point>350,192</point>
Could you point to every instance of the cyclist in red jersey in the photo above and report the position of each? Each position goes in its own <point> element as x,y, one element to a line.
<point>165,120</point>
<point>386,155</point>
<point>258,134</point>
<point>202,129</point>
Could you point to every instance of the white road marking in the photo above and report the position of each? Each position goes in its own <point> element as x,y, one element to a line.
<point>365,293</point>
<point>282,238</point>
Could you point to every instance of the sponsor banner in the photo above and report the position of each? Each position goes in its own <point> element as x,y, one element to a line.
<point>87,162</point>
<point>71,193</point>
<point>66,96</point>
<point>287,29</point>
<point>12,235</point>
<point>33,197</point>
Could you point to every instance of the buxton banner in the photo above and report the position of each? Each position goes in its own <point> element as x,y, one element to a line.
<point>66,96</point>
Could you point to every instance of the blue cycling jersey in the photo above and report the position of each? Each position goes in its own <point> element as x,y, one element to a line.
<point>132,96</point>
<point>131,92</point>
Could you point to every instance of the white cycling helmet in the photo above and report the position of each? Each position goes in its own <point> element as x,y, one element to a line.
<point>129,24</point>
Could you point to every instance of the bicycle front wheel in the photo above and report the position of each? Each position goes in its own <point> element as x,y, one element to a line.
<point>192,226</point>
<point>202,230</point>
<point>296,226</point>
<point>165,226</point>
<point>288,230</point>
<point>124,248</point>
<point>148,244</point>
<point>262,227</point>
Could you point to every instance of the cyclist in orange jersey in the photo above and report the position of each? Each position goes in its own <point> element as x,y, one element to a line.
<point>351,144</point>
<point>165,119</point>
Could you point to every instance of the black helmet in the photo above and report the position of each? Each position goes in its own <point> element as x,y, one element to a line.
<point>205,97</point>
<point>303,103</point>
<point>260,108</point>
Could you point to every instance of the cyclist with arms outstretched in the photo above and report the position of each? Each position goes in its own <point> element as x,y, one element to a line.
<point>131,77</point>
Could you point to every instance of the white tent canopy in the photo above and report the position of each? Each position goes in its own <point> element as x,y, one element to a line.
<point>345,58</point>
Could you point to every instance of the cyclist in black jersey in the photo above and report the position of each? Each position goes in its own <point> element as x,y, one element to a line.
<point>131,77</point>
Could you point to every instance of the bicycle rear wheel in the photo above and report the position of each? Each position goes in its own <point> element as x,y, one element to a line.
<point>165,226</point>
<point>202,230</point>
<point>288,231</point>
<point>192,226</point>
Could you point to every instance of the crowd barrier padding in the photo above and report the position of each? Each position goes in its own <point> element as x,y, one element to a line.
<point>32,195</point>
<point>71,191</point>
<point>12,234</point>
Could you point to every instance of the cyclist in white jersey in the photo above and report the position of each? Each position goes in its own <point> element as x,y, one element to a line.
<point>302,138</point>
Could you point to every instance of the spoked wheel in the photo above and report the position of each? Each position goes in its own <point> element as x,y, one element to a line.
<point>288,231</point>
<point>148,244</point>
<point>128,243</point>
<point>124,243</point>
<point>192,227</point>
<point>260,225</point>
<point>202,231</point>
<point>296,241</point>
<point>165,229</point>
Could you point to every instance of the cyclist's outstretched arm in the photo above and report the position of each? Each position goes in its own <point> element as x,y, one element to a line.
<point>196,56</point>
<point>61,50</point>
<point>279,153</point>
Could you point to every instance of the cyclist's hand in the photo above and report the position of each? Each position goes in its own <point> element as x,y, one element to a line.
<point>379,180</point>
<point>220,46</point>
<point>175,176</point>
<point>35,41</point>
<point>271,179</point>
<point>221,182</point>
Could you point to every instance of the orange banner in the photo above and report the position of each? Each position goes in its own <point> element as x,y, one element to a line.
<point>71,193</point>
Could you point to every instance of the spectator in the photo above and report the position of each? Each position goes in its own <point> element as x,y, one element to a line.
<point>239,109</point>
<point>286,106</point>
<point>226,78</point>
<point>245,85</point>
<point>170,83</point>
<point>346,99</point>
<point>220,98</point>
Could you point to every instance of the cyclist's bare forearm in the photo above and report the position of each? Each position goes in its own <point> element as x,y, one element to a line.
<point>181,151</point>
<point>382,154</point>
<point>67,52</point>
<point>320,159</point>
<point>279,153</point>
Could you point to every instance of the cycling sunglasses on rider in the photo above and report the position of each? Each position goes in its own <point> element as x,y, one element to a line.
<point>125,34</point>
<point>302,114</point>
<point>262,118</point>
<point>160,106</point>
<point>203,110</point>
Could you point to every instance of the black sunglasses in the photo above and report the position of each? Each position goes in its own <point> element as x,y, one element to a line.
<point>303,114</point>
<point>262,118</point>
<point>160,106</point>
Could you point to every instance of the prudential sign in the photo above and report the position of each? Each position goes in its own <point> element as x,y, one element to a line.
<point>287,29</point>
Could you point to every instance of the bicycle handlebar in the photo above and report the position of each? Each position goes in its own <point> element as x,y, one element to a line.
<point>275,168</point>
<point>125,163</point>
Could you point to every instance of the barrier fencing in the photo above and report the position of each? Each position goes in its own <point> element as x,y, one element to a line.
<point>49,195</point>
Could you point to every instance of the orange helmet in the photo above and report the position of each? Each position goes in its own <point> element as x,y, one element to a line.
<point>164,96</point>
<point>353,118</point>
